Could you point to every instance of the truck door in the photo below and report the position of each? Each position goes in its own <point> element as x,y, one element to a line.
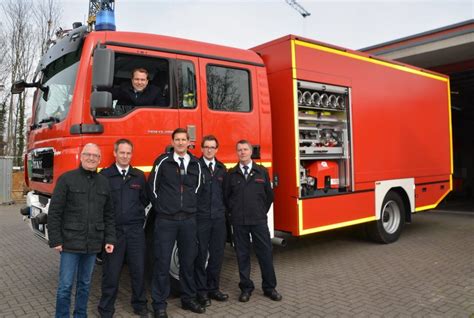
<point>230,108</point>
<point>188,104</point>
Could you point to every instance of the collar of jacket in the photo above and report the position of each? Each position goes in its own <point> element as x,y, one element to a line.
<point>191,157</point>
<point>87,172</point>
<point>112,171</point>
<point>218,163</point>
<point>132,90</point>
<point>236,168</point>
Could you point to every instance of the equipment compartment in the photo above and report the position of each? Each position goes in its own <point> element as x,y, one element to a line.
<point>324,151</point>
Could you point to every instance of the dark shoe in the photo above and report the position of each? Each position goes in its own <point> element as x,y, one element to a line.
<point>273,295</point>
<point>218,295</point>
<point>194,306</point>
<point>161,313</point>
<point>244,297</point>
<point>203,300</point>
<point>142,312</point>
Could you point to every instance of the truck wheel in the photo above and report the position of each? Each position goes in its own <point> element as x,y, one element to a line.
<point>175,287</point>
<point>392,219</point>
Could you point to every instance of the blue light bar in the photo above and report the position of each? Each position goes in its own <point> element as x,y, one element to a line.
<point>105,21</point>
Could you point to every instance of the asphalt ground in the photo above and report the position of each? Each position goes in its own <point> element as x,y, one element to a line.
<point>428,272</point>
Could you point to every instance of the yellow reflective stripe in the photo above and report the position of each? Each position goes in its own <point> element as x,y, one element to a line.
<point>228,165</point>
<point>370,60</point>
<point>266,164</point>
<point>450,128</point>
<point>337,225</point>
<point>300,217</point>
<point>144,168</point>
<point>295,118</point>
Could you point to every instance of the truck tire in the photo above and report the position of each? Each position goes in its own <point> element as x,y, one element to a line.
<point>175,287</point>
<point>388,228</point>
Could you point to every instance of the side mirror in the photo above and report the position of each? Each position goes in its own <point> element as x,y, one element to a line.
<point>103,68</point>
<point>101,101</point>
<point>18,87</point>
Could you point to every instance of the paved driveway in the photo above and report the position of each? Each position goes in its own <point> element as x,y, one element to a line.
<point>429,272</point>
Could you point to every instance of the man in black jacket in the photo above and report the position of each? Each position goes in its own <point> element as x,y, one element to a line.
<point>248,195</point>
<point>211,226</point>
<point>138,92</point>
<point>128,187</point>
<point>80,224</point>
<point>174,183</point>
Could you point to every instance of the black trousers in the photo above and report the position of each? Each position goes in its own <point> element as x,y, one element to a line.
<point>263,249</point>
<point>131,247</point>
<point>211,234</point>
<point>167,232</point>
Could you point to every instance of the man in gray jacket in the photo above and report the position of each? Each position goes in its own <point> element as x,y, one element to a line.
<point>80,223</point>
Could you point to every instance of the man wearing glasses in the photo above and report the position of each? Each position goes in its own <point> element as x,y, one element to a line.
<point>211,226</point>
<point>80,224</point>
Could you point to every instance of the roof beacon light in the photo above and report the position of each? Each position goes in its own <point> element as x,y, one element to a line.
<point>105,21</point>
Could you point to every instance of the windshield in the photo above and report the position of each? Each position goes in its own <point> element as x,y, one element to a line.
<point>59,79</point>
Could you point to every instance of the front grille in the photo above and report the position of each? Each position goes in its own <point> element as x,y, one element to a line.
<point>41,163</point>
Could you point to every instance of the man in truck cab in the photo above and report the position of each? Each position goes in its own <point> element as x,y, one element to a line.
<point>129,196</point>
<point>81,223</point>
<point>138,92</point>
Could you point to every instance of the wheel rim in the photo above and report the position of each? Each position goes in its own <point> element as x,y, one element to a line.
<point>391,217</point>
<point>174,265</point>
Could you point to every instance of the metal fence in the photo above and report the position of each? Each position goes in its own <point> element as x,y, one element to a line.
<point>6,167</point>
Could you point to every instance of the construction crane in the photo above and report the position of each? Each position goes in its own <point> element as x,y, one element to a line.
<point>98,5</point>
<point>304,13</point>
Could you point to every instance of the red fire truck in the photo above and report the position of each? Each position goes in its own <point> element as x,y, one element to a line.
<point>348,138</point>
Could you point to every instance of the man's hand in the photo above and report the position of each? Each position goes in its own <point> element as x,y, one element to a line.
<point>109,248</point>
<point>58,248</point>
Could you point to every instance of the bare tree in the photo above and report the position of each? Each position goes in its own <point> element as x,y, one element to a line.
<point>47,20</point>
<point>19,39</point>
<point>4,92</point>
<point>27,28</point>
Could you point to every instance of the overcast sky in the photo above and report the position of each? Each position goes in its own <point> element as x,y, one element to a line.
<point>244,24</point>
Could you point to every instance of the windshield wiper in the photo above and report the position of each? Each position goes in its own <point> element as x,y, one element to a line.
<point>50,119</point>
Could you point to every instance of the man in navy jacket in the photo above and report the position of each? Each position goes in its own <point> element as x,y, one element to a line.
<point>174,183</point>
<point>128,187</point>
<point>211,225</point>
<point>248,195</point>
<point>138,92</point>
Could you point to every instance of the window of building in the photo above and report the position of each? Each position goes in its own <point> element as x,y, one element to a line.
<point>228,89</point>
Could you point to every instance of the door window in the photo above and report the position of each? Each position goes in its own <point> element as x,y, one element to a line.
<point>228,89</point>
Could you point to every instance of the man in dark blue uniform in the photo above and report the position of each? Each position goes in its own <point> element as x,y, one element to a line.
<point>248,195</point>
<point>174,183</point>
<point>211,226</point>
<point>128,187</point>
